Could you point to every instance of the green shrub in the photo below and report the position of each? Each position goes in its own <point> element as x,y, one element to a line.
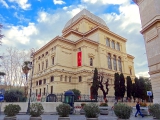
<point>77,93</point>
<point>91,110</point>
<point>122,111</point>
<point>63,110</point>
<point>155,110</point>
<point>11,110</point>
<point>103,104</point>
<point>14,95</point>
<point>36,109</point>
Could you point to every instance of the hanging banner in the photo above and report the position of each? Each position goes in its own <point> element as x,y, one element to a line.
<point>79,58</point>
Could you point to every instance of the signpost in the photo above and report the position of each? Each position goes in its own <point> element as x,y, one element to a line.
<point>149,93</point>
<point>1,99</point>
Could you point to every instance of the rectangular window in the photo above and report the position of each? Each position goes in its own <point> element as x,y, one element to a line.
<point>46,63</point>
<point>36,83</point>
<point>40,82</point>
<point>44,81</point>
<point>61,77</point>
<point>91,61</point>
<point>40,91</point>
<point>52,78</point>
<point>113,44</point>
<point>51,89</point>
<point>107,42</point>
<point>66,78</point>
<point>69,78</point>
<point>39,67</point>
<point>44,91</point>
<point>80,79</point>
<point>52,60</point>
<point>118,47</point>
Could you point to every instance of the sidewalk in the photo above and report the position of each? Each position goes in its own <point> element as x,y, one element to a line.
<point>79,117</point>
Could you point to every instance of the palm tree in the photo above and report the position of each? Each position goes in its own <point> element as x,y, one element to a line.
<point>26,68</point>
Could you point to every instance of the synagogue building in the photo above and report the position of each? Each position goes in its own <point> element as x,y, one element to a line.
<point>68,61</point>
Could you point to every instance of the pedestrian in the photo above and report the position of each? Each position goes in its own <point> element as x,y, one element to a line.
<point>138,110</point>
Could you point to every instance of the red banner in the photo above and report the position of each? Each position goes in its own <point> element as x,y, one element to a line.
<point>79,58</point>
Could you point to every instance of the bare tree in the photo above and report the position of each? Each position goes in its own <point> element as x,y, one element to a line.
<point>103,85</point>
<point>11,64</point>
<point>1,36</point>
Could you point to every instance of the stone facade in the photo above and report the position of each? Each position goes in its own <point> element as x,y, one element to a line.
<point>150,19</point>
<point>55,64</point>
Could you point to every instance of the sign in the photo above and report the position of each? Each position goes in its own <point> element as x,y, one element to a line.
<point>79,58</point>
<point>149,93</point>
<point>1,97</point>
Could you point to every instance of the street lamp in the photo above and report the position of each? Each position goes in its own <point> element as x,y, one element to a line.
<point>31,66</point>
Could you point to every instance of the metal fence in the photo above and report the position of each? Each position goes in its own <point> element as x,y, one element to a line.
<point>60,98</point>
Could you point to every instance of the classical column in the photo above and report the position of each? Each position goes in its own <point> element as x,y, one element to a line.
<point>150,19</point>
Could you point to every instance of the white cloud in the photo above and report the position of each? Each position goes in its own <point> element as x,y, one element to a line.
<point>106,1</point>
<point>143,74</point>
<point>58,2</point>
<point>47,18</point>
<point>22,4</point>
<point>74,11</point>
<point>19,34</point>
<point>126,23</point>
<point>65,8</point>
<point>4,3</point>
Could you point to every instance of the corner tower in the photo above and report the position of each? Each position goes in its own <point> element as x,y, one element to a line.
<point>150,20</point>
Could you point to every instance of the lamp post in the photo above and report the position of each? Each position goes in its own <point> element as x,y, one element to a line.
<point>32,65</point>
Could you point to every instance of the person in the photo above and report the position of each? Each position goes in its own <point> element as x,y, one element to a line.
<point>138,110</point>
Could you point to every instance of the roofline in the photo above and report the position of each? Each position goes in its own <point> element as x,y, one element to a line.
<point>53,40</point>
<point>97,27</point>
<point>79,19</point>
<point>66,40</point>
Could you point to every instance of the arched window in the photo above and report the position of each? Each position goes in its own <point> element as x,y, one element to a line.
<point>108,42</point>
<point>118,46</point>
<point>46,63</point>
<point>109,61</point>
<point>120,64</point>
<point>114,62</point>
<point>52,60</point>
<point>91,61</point>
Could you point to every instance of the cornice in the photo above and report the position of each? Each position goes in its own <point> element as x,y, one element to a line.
<point>149,26</point>
<point>130,56</point>
<point>154,72</point>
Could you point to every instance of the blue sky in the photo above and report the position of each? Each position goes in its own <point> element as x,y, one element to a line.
<point>32,23</point>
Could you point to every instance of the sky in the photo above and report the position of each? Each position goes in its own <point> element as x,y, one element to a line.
<point>32,23</point>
